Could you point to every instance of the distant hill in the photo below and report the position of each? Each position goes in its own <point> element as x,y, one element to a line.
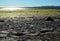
<point>44,7</point>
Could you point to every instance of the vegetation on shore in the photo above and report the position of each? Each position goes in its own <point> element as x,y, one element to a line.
<point>30,12</point>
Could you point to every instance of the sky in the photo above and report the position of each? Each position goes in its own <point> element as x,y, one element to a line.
<point>22,3</point>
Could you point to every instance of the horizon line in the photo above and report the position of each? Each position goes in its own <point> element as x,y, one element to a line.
<point>29,6</point>
<point>25,5</point>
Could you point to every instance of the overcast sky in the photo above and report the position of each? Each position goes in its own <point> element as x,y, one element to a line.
<point>29,3</point>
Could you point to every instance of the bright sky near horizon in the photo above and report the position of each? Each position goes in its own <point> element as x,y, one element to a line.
<point>29,3</point>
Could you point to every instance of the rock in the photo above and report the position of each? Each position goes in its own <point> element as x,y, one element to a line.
<point>49,19</point>
<point>19,34</point>
<point>4,32</point>
<point>3,35</point>
<point>44,30</point>
<point>32,34</point>
<point>2,21</point>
